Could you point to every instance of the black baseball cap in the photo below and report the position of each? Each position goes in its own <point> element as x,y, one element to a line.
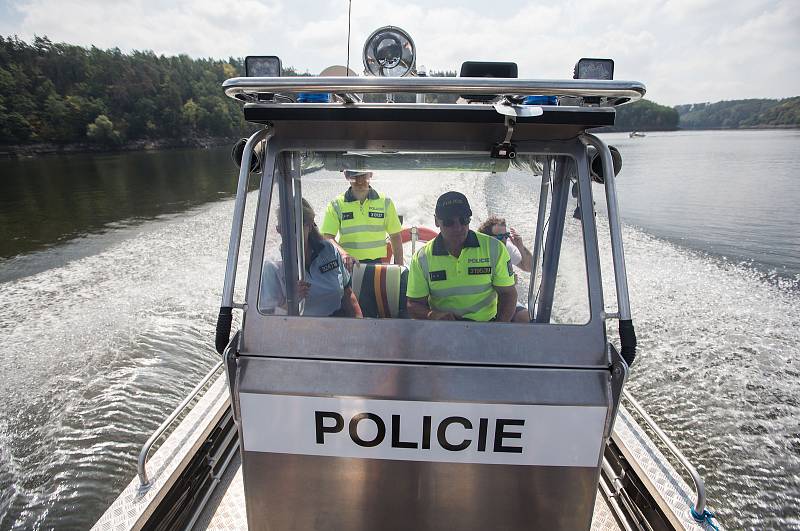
<point>452,204</point>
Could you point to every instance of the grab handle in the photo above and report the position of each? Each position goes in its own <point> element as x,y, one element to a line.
<point>627,335</point>
<point>225,317</point>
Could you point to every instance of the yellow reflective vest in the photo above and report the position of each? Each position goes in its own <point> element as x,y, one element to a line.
<point>463,285</point>
<point>362,227</point>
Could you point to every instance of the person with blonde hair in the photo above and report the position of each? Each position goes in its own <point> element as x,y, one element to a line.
<point>521,257</point>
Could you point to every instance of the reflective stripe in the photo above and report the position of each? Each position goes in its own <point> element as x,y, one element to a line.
<point>337,209</point>
<point>460,290</point>
<point>494,251</point>
<point>380,244</point>
<point>386,205</point>
<point>463,310</point>
<point>362,228</point>
<point>422,257</point>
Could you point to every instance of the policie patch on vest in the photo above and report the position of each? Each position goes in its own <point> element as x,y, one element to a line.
<point>479,270</point>
<point>347,215</point>
<point>438,275</point>
<point>510,268</point>
<point>333,264</point>
<point>376,215</point>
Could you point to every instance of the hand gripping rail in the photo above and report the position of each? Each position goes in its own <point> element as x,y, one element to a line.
<point>625,90</point>
<point>142,465</point>
<point>225,317</point>
<point>699,485</point>
<point>627,334</point>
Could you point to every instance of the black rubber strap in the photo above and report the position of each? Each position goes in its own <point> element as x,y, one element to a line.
<point>627,339</point>
<point>224,328</point>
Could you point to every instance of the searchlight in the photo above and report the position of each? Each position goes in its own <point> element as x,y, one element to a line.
<point>389,52</point>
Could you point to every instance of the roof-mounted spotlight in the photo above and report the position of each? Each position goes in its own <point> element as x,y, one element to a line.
<point>486,69</point>
<point>587,68</point>
<point>262,66</point>
<point>594,69</point>
<point>389,52</point>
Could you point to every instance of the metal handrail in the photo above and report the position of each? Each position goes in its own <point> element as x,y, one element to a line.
<point>614,225</point>
<point>631,90</point>
<point>699,485</point>
<point>142,466</point>
<point>238,214</point>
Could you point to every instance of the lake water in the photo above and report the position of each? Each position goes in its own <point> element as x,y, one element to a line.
<point>111,269</point>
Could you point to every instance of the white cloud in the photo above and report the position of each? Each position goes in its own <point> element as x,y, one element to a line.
<point>683,50</point>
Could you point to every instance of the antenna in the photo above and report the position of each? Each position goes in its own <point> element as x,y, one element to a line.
<point>349,10</point>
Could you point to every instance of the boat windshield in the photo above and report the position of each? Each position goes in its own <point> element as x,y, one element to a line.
<point>367,202</point>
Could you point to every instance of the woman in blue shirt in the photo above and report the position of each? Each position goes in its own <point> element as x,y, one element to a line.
<point>327,286</point>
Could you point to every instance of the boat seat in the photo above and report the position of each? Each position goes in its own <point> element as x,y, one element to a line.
<point>381,289</point>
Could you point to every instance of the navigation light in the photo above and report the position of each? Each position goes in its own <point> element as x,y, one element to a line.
<point>389,52</point>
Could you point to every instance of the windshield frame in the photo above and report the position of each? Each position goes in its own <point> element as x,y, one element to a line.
<point>276,335</point>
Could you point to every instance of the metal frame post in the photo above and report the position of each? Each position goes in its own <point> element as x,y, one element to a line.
<point>555,234</point>
<point>544,192</point>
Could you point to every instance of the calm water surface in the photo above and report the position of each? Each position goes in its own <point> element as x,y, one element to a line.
<point>111,268</point>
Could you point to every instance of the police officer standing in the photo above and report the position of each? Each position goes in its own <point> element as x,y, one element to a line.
<point>461,274</point>
<point>362,217</point>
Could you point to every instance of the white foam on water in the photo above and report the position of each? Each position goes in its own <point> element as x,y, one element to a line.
<point>97,351</point>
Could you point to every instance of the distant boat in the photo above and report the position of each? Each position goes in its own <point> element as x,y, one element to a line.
<point>636,134</point>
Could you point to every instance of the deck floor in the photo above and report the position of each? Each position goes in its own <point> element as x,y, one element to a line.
<point>225,509</point>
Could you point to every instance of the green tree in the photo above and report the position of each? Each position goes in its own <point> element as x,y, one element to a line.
<point>102,131</point>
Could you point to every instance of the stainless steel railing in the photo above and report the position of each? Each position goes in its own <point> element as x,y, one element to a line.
<point>614,225</point>
<point>699,485</point>
<point>142,465</point>
<point>630,90</point>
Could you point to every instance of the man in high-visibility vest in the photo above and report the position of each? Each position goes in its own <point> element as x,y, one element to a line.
<point>362,217</point>
<point>461,274</point>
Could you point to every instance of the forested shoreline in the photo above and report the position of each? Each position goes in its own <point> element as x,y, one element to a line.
<point>62,97</point>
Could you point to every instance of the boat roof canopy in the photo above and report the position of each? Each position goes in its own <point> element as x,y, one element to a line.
<point>581,103</point>
<point>617,92</point>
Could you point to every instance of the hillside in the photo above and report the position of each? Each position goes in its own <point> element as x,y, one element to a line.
<point>736,114</point>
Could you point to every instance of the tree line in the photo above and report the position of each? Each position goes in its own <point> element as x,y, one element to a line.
<point>752,113</point>
<point>61,93</point>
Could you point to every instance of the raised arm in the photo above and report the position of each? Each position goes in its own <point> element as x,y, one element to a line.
<point>526,264</point>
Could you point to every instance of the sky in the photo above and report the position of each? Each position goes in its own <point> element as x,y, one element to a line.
<point>684,51</point>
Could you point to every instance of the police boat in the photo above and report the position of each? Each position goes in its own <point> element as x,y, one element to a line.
<point>388,422</point>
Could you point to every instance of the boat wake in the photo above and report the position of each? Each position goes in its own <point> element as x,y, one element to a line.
<point>99,349</point>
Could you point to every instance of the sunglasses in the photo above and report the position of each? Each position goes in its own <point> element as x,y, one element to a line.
<point>503,236</point>
<point>358,176</point>
<point>463,220</point>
